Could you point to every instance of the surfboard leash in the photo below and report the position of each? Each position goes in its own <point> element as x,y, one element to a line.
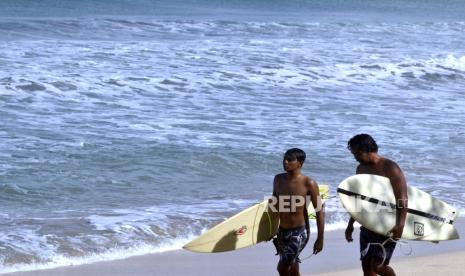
<point>389,239</point>
<point>308,257</point>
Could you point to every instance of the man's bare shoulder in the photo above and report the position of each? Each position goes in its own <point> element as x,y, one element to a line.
<point>388,162</point>
<point>309,182</point>
<point>390,166</point>
<point>279,179</point>
<point>280,175</point>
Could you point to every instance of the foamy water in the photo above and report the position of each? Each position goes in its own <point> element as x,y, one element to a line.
<point>124,135</point>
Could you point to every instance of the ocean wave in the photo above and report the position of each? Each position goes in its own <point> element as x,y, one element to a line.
<point>58,260</point>
<point>432,70</point>
<point>104,114</point>
<point>75,237</point>
<point>114,29</point>
<point>115,234</point>
<point>12,189</point>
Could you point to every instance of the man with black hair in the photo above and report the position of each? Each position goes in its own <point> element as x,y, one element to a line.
<point>365,151</point>
<point>292,192</point>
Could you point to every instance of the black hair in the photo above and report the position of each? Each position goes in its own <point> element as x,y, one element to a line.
<point>296,153</point>
<point>363,142</point>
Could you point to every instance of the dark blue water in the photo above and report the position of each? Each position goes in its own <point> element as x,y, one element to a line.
<point>217,9</point>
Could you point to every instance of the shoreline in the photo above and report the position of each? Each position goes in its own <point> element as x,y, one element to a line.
<point>337,258</point>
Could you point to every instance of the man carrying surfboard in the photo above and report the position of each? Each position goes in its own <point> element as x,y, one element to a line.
<point>292,191</point>
<point>365,151</point>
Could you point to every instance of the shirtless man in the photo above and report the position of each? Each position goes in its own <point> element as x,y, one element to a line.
<point>365,151</point>
<point>292,192</point>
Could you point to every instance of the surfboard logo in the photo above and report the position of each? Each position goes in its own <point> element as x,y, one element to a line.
<point>418,229</point>
<point>241,231</point>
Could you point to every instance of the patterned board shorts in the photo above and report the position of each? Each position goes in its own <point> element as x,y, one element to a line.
<point>367,237</point>
<point>291,243</point>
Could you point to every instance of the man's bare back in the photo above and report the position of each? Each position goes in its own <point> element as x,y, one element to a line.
<point>388,168</point>
<point>381,168</point>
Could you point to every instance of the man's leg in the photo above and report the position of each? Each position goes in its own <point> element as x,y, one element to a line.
<point>383,270</point>
<point>367,266</point>
<point>295,269</point>
<point>284,269</point>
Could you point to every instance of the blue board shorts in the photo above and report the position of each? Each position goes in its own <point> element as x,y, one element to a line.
<point>367,237</point>
<point>291,243</point>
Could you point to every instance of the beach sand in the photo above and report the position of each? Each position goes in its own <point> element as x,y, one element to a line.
<point>338,258</point>
<point>450,264</point>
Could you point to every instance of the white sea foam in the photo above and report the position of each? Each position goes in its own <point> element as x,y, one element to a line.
<point>51,258</point>
<point>110,123</point>
<point>58,260</point>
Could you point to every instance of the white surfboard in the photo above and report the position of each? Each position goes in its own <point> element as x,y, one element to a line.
<point>370,201</point>
<point>249,227</point>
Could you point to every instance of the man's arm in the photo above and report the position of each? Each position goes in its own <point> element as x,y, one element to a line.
<point>273,201</point>
<point>399,186</point>
<point>314,192</point>
<point>350,230</point>
<point>273,210</point>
